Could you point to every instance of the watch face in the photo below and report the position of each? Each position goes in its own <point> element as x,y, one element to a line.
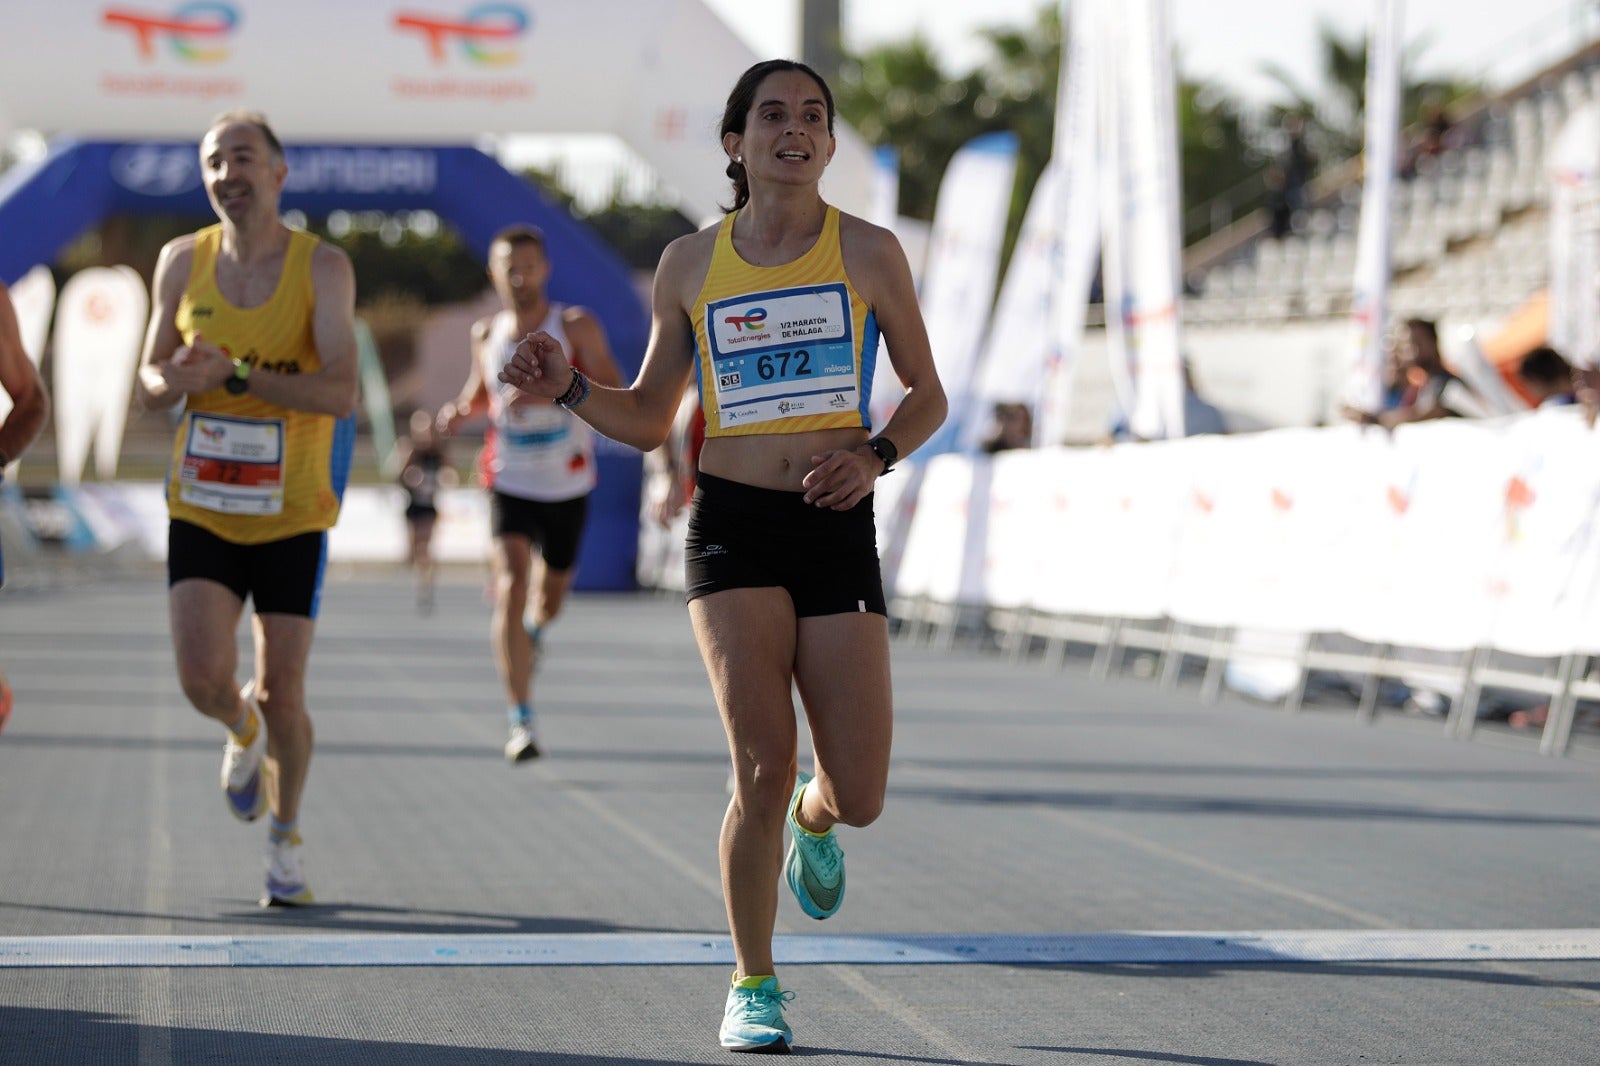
<point>236,385</point>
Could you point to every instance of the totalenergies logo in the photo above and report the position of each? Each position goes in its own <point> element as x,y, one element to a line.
<point>195,32</point>
<point>751,320</point>
<point>483,33</point>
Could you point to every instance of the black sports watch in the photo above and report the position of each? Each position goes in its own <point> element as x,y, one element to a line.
<point>885,450</point>
<point>239,383</point>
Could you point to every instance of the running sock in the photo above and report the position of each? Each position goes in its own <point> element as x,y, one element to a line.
<point>244,730</point>
<point>520,713</point>
<point>798,822</point>
<point>753,981</point>
<point>278,832</point>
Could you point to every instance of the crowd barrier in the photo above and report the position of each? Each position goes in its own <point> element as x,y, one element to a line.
<point>1457,554</point>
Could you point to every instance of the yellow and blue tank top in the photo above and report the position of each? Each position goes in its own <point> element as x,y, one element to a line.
<point>784,349</point>
<point>243,469</point>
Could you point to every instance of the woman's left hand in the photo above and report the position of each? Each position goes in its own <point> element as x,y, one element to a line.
<point>841,479</point>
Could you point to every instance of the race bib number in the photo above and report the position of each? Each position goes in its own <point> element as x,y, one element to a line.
<point>784,354</point>
<point>233,465</point>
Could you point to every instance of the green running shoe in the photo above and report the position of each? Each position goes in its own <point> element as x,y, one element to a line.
<point>753,1019</point>
<point>814,866</point>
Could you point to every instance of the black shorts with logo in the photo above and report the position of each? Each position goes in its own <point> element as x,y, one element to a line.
<point>280,576</point>
<point>744,537</point>
<point>556,526</point>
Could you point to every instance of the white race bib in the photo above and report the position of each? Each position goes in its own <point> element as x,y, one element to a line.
<point>233,465</point>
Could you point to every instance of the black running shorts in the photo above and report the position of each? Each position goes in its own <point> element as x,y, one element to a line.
<point>555,526</point>
<point>745,537</point>
<point>281,576</point>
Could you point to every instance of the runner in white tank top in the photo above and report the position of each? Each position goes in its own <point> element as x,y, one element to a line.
<point>538,465</point>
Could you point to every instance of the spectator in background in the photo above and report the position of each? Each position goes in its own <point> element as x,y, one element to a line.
<point>1586,389</point>
<point>1429,389</point>
<point>1548,377</point>
<point>1281,215</point>
<point>1012,428</point>
<point>1298,164</point>
<point>1431,140</point>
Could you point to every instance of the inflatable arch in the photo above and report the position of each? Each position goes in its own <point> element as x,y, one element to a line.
<point>47,204</point>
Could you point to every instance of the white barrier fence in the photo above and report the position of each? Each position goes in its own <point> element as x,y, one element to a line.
<point>1456,553</point>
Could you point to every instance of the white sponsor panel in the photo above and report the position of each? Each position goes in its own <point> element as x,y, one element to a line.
<point>100,322</point>
<point>1076,214</point>
<point>933,560</point>
<point>1139,185</point>
<point>442,71</point>
<point>33,297</point>
<point>1575,237</point>
<point>1370,305</point>
<point>1444,536</point>
<point>958,288</point>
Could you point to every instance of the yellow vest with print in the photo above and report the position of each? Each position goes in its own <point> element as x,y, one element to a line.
<point>244,469</point>
<point>784,349</point>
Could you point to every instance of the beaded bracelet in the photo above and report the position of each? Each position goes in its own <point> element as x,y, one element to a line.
<point>576,393</point>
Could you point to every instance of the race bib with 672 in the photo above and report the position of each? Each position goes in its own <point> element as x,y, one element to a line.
<point>233,465</point>
<point>789,353</point>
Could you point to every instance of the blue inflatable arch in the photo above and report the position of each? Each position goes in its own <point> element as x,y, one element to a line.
<point>46,205</point>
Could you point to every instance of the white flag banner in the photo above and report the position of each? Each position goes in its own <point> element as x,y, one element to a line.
<point>1369,309</point>
<point>33,297</point>
<point>1013,361</point>
<point>99,326</point>
<point>1075,162</point>
<point>1140,178</point>
<point>1575,238</point>
<point>969,223</point>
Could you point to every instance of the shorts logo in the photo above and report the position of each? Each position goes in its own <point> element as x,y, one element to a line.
<point>713,549</point>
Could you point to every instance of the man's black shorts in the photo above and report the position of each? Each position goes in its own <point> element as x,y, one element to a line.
<point>281,576</point>
<point>745,537</point>
<point>555,526</point>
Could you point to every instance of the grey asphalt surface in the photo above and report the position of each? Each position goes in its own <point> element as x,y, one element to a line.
<point>1024,800</point>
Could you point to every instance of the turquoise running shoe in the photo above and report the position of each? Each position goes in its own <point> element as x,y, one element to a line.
<point>753,1019</point>
<point>814,866</point>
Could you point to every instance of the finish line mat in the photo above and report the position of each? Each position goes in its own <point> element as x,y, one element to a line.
<point>688,949</point>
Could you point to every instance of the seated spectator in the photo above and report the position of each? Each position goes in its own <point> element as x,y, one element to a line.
<point>1548,377</point>
<point>1586,389</point>
<point>1012,428</point>
<point>1429,390</point>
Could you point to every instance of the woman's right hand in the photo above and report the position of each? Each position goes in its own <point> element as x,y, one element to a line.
<point>538,367</point>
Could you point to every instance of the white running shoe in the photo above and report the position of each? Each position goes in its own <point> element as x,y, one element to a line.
<point>523,744</point>
<point>286,875</point>
<point>242,785</point>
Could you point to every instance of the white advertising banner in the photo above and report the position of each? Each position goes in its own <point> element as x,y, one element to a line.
<point>100,321</point>
<point>958,286</point>
<point>1012,365</point>
<point>1369,309</point>
<point>934,560</point>
<point>1075,162</point>
<point>33,298</point>
<point>1575,238</point>
<point>655,73</point>
<point>1140,185</point>
<point>1447,535</point>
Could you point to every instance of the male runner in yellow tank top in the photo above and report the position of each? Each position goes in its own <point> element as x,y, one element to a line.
<point>254,331</point>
